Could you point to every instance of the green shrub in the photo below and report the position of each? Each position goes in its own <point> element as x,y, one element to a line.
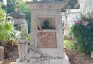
<point>83,33</point>
<point>28,37</point>
<point>69,44</point>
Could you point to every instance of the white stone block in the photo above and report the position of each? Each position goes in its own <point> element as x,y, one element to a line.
<point>1,52</point>
<point>91,54</point>
<point>60,61</point>
<point>50,61</point>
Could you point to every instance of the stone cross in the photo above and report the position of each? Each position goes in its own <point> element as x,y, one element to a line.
<point>22,47</point>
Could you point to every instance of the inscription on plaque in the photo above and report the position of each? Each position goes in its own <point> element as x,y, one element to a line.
<point>47,40</point>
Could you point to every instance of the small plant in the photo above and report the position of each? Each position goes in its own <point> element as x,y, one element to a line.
<point>69,44</point>
<point>28,37</point>
<point>0,42</point>
<point>83,33</point>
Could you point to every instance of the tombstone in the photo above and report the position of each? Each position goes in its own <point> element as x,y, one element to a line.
<point>1,53</point>
<point>22,47</point>
<point>19,22</point>
<point>91,54</point>
<point>46,45</point>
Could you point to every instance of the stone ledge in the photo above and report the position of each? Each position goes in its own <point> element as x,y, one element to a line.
<point>52,61</point>
<point>46,5</point>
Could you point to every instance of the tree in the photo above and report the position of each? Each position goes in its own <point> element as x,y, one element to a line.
<point>71,4</point>
<point>57,0</point>
<point>11,5</point>
<point>1,0</point>
<point>4,26</point>
<point>15,5</point>
<point>25,10</point>
<point>2,14</point>
<point>2,5</point>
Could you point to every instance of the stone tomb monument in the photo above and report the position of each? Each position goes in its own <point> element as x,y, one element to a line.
<point>46,46</point>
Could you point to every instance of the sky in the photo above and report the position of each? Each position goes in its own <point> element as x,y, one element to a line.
<point>5,2</point>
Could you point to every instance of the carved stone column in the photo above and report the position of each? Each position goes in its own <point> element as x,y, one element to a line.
<point>22,47</point>
<point>66,28</point>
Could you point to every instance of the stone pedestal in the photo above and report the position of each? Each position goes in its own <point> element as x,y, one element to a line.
<point>1,52</point>
<point>47,61</point>
<point>23,49</point>
<point>91,54</point>
<point>46,46</point>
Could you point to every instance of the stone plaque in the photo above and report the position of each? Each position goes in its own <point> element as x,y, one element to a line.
<point>47,40</point>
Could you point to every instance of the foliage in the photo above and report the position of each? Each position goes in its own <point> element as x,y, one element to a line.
<point>71,4</point>
<point>25,10</point>
<point>83,32</point>
<point>57,0</point>
<point>69,44</point>
<point>6,28</point>
<point>2,14</point>
<point>16,5</point>
<point>1,0</point>
<point>70,31</point>
<point>7,31</point>
<point>0,42</point>
<point>28,37</point>
<point>11,5</point>
<point>13,34</point>
<point>2,4</point>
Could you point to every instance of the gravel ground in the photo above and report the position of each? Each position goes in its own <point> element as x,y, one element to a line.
<point>78,58</point>
<point>11,57</point>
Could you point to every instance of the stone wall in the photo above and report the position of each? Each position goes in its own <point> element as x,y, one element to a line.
<point>86,6</point>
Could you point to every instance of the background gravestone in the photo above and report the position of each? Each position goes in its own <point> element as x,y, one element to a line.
<point>1,52</point>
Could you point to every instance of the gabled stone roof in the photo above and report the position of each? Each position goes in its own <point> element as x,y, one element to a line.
<point>17,15</point>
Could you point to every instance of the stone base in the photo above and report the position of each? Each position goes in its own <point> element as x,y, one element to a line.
<point>50,61</point>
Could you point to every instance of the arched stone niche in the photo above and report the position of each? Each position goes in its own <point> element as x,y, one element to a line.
<point>51,21</point>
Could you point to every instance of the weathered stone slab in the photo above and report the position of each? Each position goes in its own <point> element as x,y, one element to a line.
<point>47,40</point>
<point>64,60</point>
<point>1,52</point>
